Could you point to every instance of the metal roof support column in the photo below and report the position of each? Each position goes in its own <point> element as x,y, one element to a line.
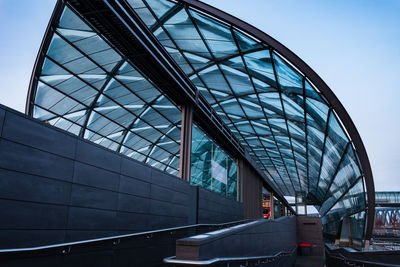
<point>186,142</point>
<point>271,205</point>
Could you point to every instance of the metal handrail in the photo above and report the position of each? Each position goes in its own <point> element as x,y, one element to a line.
<point>351,262</point>
<point>88,241</point>
<point>173,260</point>
<point>337,254</point>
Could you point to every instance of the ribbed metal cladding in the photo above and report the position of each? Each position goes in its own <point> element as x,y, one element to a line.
<point>251,191</point>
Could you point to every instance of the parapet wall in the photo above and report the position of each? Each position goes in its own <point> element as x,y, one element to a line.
<point>56,187</point>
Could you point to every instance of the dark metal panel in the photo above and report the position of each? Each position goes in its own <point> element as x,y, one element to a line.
<point>134,186</point>
<point>14,214</point>
<point>20,157</point>
<point>25,187</point>
<point>95,155</point>
<point>135,169</point>
<point>92,176</point>
<point>93,219</point>
<point>91,197</point>
<point>12,238</point>
<point>252,192</point>
<point>38,136</point>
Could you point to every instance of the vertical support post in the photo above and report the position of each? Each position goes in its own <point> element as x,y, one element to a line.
<point>186,142</point>
<point>227,177</point>
<point>239,164</point>
<point>271,205</point>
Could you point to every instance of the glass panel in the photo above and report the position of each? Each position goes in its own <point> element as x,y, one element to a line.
<point>217,36</point>
<point>357,222</point>
<point>245,42</point>
<point>335,144</point>
<point>159,7</point>
<point>289,80</point>
<point>143,11</point>
<point>260,66</point>
<point>353,201</point>
<point>212,167</point>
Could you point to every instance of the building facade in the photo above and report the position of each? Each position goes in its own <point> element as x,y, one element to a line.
<point>198,94</point>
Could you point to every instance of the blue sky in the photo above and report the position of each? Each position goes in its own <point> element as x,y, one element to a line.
<point>354,45</point>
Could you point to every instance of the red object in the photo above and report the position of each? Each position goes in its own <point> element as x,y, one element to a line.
<point>266,209</point>
<point>304,245</point>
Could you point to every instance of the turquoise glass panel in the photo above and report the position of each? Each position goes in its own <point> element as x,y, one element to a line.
<point>211,167</point>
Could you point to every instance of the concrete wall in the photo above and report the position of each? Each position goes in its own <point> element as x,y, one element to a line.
<point>257,238</point>
<point>56,187</point>
<point>309,230</point>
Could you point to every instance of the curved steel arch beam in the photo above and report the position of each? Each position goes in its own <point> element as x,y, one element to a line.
<point>317,81</point>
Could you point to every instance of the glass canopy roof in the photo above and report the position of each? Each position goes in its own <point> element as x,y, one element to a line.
<point>282,120</point>
<point>87,88</point>
<point>285,123</point>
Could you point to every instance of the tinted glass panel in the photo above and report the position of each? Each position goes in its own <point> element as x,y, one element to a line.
<point>212,167</point>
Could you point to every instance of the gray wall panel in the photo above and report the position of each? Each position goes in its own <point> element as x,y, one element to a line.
<point>93,176</point>
<point>90,197</point>
<point>21,186</point>
<point>167,209</point>
<point>32,237</point>
<point>215,208</point>
<point>133,203</point>
<point>37,135</point>
<point>167,195</point>
<point>22,215</point>
<point>181,186</point>
<point>135,169</point>
<point>133,186</point>
<point>132,222</point>
<point>91,219</point>
<point>22,158</point>
<point>95,155</point>
<point>161,178</point>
